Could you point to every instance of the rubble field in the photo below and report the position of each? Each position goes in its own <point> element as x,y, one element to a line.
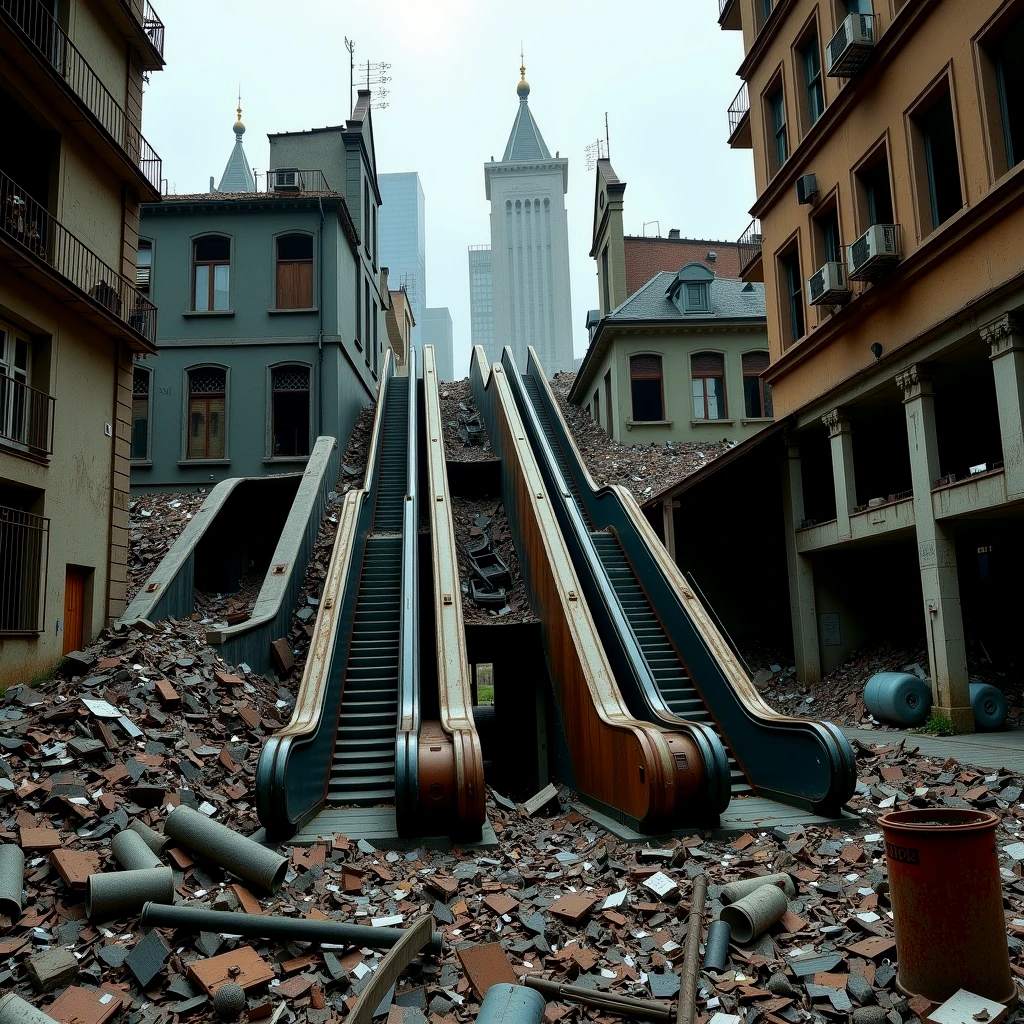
<point>155,522</point>
<point>465,436</point>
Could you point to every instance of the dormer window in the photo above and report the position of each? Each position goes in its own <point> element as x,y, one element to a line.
<point>695,297</point>
<point>691,289</point>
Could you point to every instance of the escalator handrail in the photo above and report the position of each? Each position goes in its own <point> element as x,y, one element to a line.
<point>279,807</point>
<point>408,726</point>
<point>716,764</point>
<point>637,533</point>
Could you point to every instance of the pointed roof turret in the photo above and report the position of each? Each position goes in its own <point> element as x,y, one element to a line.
<point>526,141</point>
<point>237,176</point>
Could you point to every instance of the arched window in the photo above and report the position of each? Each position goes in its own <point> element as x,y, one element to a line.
<point>207,413</point>
<point>141,390</point>
<point>211,269</point>
<point>648,397</point>
<point>708,372</point>
<point>756,394</point>
<point>290,410</point>
<point>294,271</point>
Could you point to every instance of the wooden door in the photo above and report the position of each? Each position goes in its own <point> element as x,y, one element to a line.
<point>74,608</point>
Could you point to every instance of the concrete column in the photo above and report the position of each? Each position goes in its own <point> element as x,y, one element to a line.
<point>802,607</point>
<point>944,628</point>
<point>1005,337</point>
<point>668,522</point>
<point>841,441</point>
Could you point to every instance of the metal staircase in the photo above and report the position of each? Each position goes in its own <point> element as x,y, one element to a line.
<point>363,768</point>
<point>670,674</point>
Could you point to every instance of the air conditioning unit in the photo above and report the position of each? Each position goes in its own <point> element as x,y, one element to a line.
<point>288,180</point>
<point>875,253</point>
<point>806,188</point>
<point>829,286</point>
<point>850,48</point>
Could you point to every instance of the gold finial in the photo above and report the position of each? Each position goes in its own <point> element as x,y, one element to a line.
<point>523,88</point>
<point>238,128</point>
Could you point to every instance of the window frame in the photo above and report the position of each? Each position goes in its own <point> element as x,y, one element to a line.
<point>809,40</point>
<point>826,208</point>
<point>723,397</point>
<point>311,393</point>
<point>704,305</point>
<point>763,415</point>
<point>149,245</point>
<point>776,158</point>
<point>276,262</point>
<point>211,277</point>
<point>186,372</point>
<point>863,201</point>
<point>630,356</point>
<point>137,460</point>
<point>992,93</point>
<point>791,293</point>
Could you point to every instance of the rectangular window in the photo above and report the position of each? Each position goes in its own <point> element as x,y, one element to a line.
<point>608,400</point>
<point>764,11</point>
<point>874,192</point>
<point>376,341</point>
<point>19,419</point>
<point>211,259</point>
<point>290,410</point>
<point>792,288</point>
<point>295,272</point>
<point>830,247</point>
<point>604,280</point>
<point>707,370</point>
<point>1007,52</point>
<point>754,364</point>
<point>597,406</point>
<point>696,297</point>
<point>645,388</point>
<point>811,59</point>
<point>778,146</point>
<point>367,336</point>
<point>857,6</point>
<point>144,265</point>
<point>140,413</point>
<point>207,407</point>
<point>937,163</point>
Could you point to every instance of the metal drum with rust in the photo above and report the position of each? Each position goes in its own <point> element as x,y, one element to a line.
<point>947,903</point>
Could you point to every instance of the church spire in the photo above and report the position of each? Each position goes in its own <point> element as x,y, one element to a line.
<point>526,141</point>
<point>237,176</point>
<point>523,88</point>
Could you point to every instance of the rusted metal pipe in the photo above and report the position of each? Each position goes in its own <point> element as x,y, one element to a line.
<point>118,894</point>
<point>12,880</point>
<point>132,853</point>
<point>270,926</point>
<point>511,1004</point>
<point>686,1007</point>
<point>625,1006</point>
<point>216,842</point>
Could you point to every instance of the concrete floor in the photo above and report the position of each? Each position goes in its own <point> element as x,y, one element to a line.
<point>377,825</point>
<point>992,750</point>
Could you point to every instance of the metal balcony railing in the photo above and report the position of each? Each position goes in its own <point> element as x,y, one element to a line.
<point>26,417</point>
<point>738,109</point>
<point>53,46</point>
<point>749,245</point>
<point>153,27</point>
<point>24,221</point>
<point>24,554</point>
<point>291,179</point>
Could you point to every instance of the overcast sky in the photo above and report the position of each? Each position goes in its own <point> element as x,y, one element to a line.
<point>662,69</point>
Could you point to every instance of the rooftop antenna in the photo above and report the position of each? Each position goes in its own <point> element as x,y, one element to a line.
<point>607,139</point>
<point>377,80</point>
<point>350,45</point>
<point>599,148</point>
<point>644,229</point>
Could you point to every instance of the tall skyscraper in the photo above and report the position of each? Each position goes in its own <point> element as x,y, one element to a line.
<point>481,300</point>
<point>437,331</point>
<point>402,240</point>
<point>530,244</point>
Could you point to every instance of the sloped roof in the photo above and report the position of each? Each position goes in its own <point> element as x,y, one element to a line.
<point>526,141</point>
<point>730,300</point>
<point>237,176</point>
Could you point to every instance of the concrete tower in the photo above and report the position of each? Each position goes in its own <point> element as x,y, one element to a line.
<point>530,244</point>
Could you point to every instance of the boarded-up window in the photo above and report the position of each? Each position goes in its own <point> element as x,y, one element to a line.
<point>295,272</point>
<point>645,388</point>
<point>207,401</point>
<point>707,370</point>
<point>754,364</point>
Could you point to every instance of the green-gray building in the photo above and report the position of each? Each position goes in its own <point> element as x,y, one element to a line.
<point>271,329</point>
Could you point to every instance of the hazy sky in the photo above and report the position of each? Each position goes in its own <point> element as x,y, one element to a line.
<point>662,69</point>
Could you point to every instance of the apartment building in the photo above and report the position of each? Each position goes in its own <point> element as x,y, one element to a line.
<point>74,168</point>
<point>888,149</point>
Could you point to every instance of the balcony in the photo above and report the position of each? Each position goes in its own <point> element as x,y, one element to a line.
<point>24,554</point>
<point>70,87</point>
<point>26,419</point>
<point>749,246</point>
<point>37,244</point>
<point>729,15</point>
<point>291,180</point>
<point>154,28</point>
<point>739,120</point>
<point>139,24</point>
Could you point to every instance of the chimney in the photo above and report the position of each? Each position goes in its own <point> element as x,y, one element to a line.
<point>673,232</point>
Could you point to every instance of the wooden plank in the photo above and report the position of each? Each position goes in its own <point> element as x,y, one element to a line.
<point>416,936</point>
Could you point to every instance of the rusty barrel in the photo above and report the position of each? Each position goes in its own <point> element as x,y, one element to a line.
<point>947,903</point>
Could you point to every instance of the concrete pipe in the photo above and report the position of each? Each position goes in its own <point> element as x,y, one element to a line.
<point>716,949</point>
<point>153,840</point>
<point>511,1004</point>
<point>240,855</point>
<point>737,890</point>
<point>755,913</point>
<point>12,880</point>
<point>15,1010</point>
<point>118,894</point>
<point>132,853</point>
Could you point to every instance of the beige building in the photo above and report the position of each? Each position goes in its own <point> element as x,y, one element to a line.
<point>679,359</point>
<point>399,322</point>
<point>73,169</point>
<point>888,145</point>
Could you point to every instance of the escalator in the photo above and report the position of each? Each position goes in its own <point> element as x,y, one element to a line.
<point>672,662</point>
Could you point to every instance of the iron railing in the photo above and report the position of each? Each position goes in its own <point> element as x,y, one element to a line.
<point>24,554</point>
<point>24,221</point>
<point>54,47</point>
<point>291,179</point>
<point>738,109</point>
<point>26,417</point>
<point>749,245</point>
<point>722,4</point>
<point>153,27</point>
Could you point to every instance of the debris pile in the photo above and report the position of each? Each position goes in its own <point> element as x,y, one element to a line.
<point>645,469</point>
<point>465,436</point>
<point>154,523</point>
